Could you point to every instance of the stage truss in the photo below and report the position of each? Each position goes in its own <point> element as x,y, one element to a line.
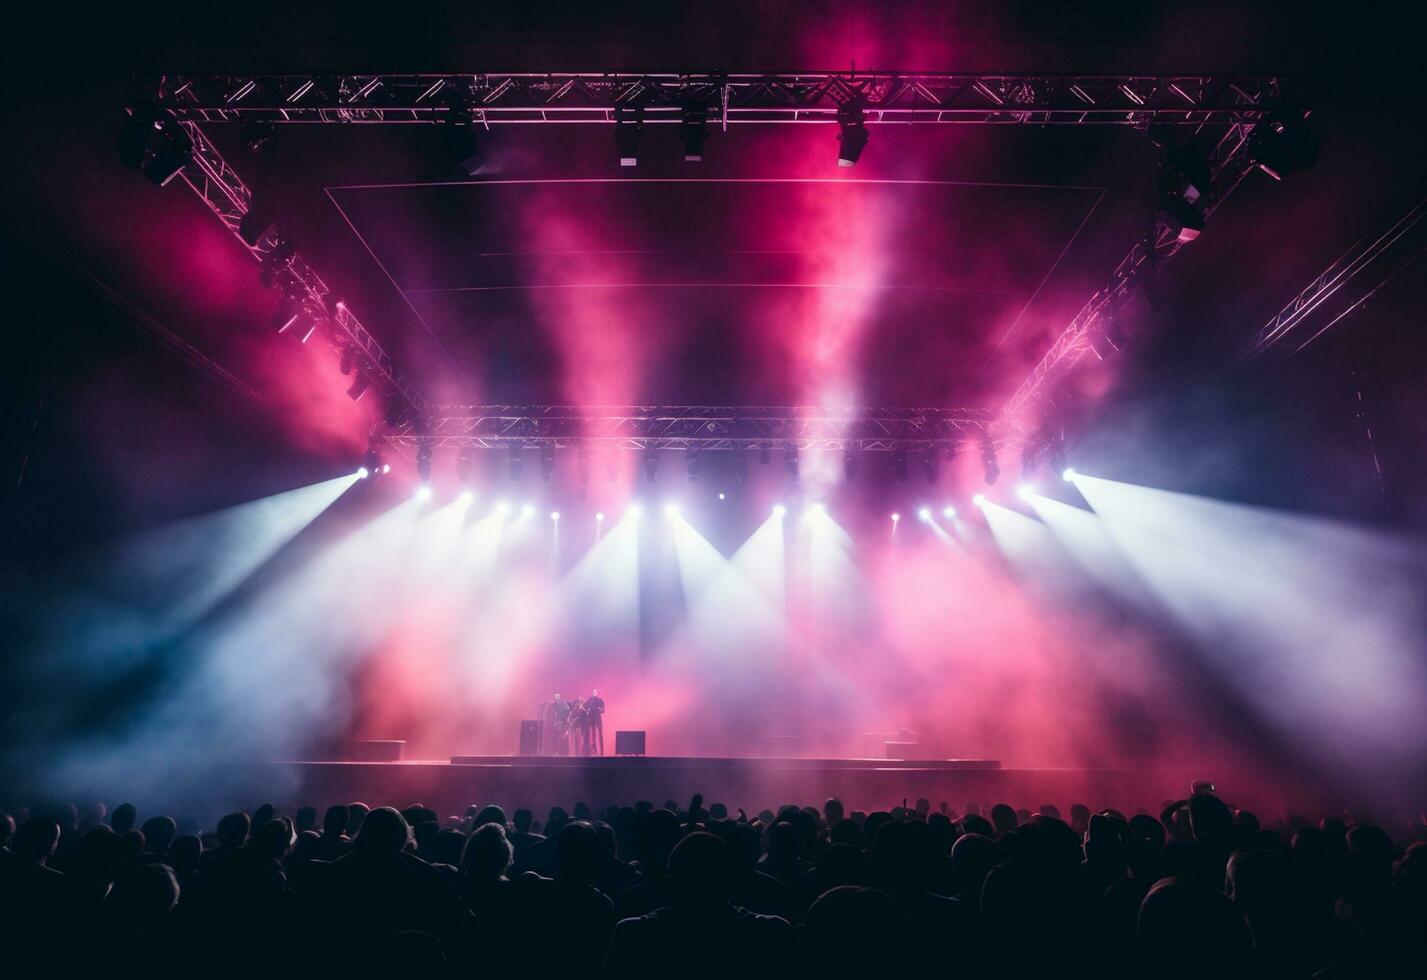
<point>218,185</point>
<point>1228,165</point>
<point>1228,107</point>
<point>1375,258</point>
<point>696,428</point>
<point>493,98</point>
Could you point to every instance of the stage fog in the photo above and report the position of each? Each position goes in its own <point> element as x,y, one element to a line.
<point>1086,624</point>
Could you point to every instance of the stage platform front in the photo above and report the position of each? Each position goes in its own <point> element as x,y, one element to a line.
<point>541,782</point>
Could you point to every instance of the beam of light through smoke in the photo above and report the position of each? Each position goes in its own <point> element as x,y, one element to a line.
<point>148,588</point>
<point>1085,540</point>
<point>1315,622</point>
<point>760,560</point>
<point>728,619</point>
<point>1031,547</point>
<point>256,680</point>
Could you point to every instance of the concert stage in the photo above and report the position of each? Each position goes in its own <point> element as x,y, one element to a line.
<point>541,782</point>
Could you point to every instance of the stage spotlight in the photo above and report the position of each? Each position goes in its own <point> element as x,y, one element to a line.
<point>979,500</point>
<point>852,133</point>
<point>1069,474</point>
<point>465,498</point>
<point>633,510</point>
<point>169,160</point>
<point>138,130</point>
<point>1181,217</point>
<point>790,461</point>
<point>423,460</point>
<point>899,465</point>
<point>372,461</point>
<point>671,510</point>
<point>255,222</point>
<point>1025,491</point>
<point>517,462</point>
<point>289,307</point>
<point>358,387</point>
<point>555,515</point>
<point>1283,143</point>
<point>740,465</point>
<point>363,472</point>
<point>692,464</point>
<point>930,465</point>
<point>924,514</point>
<point>779,510</point>
<point>547,463</point>
<point>423,492</point>
<point>386,468</point>
<point>651,465</point>
<point>896,517</point>
<point>599,516</point>
<point>1186,173</point>
<point>988,461</point>
<point>948,512</point>
<point>301,326</point>
<point>628,129</point>
<point>459,135</point>
<point>849,464</point>
<point>527,510</point>
<point>722,495</point>
<point>818,509</point>
<point>693,130</point>
<point>502,509</point>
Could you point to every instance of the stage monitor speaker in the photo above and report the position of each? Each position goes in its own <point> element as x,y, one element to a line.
<point>628,743</point>
<point>530,737</point>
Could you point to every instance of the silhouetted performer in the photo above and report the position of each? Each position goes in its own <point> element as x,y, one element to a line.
<point>579,728</point>
<point>549,744</point>
<point>594,710</point>
<point>560,710</point>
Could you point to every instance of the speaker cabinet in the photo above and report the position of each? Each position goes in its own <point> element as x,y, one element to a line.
<point>628,743</point>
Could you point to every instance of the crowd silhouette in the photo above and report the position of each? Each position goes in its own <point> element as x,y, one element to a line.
<point>1201,890</point>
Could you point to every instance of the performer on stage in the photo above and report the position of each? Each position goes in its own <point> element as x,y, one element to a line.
<point>579,728</point>
<point>559,725</point>
<point>594,712</point>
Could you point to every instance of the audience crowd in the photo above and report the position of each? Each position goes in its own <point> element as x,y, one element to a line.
<point>1203,889</point>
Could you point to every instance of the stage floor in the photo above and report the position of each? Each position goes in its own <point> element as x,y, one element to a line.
<point>540,782</point>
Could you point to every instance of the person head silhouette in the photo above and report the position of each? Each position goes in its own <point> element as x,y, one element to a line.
<point>578,855</point>
<point>36,840</point>
<point>334,821</point>
<point>384,832</point>
<point>699,873</point>
<point>488,853</point>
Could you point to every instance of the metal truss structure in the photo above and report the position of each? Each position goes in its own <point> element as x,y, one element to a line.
<point>695,427</point>
<point>1229,162</point>
<point>777,97</point>
<point>1386,250</point>
<point>1229,107</point>
<point>219,187</point>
